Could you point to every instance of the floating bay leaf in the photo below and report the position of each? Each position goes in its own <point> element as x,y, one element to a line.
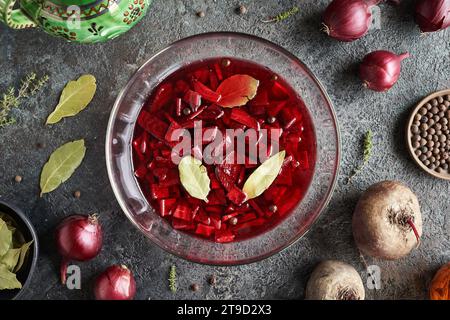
<point>194,177</point>
<point>61,165</point>
<point>237,90</point>
<point>8,279</point>
<point>10,259</point>
<point>5,238</point>
<point>74,98</point>
<point>22,255</point>
<point>264,175</point>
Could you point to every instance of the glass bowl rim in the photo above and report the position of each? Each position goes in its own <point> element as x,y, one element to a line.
<point>201,36</point>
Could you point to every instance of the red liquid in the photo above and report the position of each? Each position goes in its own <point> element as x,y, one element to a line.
<point>276,105</point>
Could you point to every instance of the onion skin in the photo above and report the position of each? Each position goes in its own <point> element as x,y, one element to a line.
<point>78,237</point>
<point>440,286</point>
<point>380,70</point>
<point>348,20</point>
<point>115,283</point>
<point>432,15</point>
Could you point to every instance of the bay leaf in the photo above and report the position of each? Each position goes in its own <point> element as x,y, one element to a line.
<point>237,90</point>
<point>8,279</point>
<point>5,238</point>
<point>62,164</point>
<point>74,98</point>
<point>22,255</point>
<point>11,258</point>
<point>264,175</point>
<point>194,177</point>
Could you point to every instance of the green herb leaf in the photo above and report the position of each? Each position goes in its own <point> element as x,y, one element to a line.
<point>237,90</point>
<point>22,255</point>
<point>10,259</point>
<point>8,279</point>
<point>264,175</point>
<point>5,238</point>
<point>194,177</point>
<point>61,165</point>
<point>74,98</point>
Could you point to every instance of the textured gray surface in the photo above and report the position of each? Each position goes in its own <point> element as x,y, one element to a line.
<point>285,274</point>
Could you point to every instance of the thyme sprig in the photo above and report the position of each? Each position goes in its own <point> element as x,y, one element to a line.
<point>173,279</point>
<point>282,16</point>
<point>12,98</point>
<point>367,152</point>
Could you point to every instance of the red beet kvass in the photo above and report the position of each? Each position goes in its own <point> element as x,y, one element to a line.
<point>188,95</point>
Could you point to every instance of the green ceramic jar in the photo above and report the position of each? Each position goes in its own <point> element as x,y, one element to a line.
<point>84,21</point>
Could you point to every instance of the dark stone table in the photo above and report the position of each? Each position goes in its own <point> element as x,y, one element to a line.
<point>285,274</point>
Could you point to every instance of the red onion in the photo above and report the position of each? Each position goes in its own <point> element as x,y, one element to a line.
<point>433,15</point>
<point>380,70</point>
<point>348,20</point>
<point>115,283</point>
<point>79,238</point>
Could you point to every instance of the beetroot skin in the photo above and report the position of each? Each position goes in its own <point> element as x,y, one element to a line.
<point>384,221</point>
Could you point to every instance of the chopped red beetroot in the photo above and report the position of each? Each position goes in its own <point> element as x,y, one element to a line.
<point>158,192</point>
<point>187,96</point>
<point>217,197</point>
<point>204,230</point>
<point>153,125</point>
<point>213,81</point>
<point>218,71</point>
<point>213,112</point>
<point>209,134</point>
<point>178,107</point>
<point>237,196</point>
<point>166,206</point>
<point>193,99</point>
<point>183,211</point>
<point>164,95</point>
<point>216,220</point>
<point>140,172</point>
<point>202,75</point>
<point>241,116</point>
<point>261,99</point>
<point>181,86</point>
<point>274,109</point>
<point>223,236</point>
<point>279,92</point>
<point>206,92</point>
<point>203,217</point>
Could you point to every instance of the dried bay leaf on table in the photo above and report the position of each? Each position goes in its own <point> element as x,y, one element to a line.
<point>264,175</point>
<point>8,279</point>
<point>75,97</point>
<point>62,164</point>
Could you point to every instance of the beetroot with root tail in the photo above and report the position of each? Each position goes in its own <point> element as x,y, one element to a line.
<point>387,222</point>
<point>335,280</point>
<point>79,238</point>
<point>380,70</point>
<point>115,283</point>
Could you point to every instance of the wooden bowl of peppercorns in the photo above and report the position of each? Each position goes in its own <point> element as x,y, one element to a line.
<point>428,134</point>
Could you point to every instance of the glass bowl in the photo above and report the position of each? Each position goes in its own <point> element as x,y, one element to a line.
<point>121,128</point>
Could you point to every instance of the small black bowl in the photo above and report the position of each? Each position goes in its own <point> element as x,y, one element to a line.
<point>26,272</point>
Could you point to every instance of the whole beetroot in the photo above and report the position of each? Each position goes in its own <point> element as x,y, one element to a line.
<point>387,222</point>
<point>335,280</point>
